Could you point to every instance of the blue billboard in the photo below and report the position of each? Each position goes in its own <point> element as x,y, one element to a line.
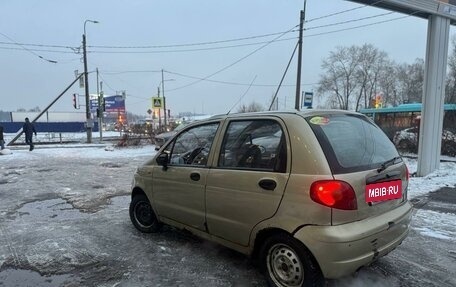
<point>112,104</point>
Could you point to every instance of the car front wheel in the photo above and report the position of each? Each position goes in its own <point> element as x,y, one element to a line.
<point>142,215</point>
<point>287,263</point>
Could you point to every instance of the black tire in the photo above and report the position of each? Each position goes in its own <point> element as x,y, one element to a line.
<point>286,262</point>
<point>142,215</point>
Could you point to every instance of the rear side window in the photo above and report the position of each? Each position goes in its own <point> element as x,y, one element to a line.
<point>254,144</point>
<point>351,142</point>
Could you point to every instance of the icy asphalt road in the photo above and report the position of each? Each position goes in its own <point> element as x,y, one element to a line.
<point>64,222</point>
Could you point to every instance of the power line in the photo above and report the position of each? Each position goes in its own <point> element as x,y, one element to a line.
<point>343,11</point>
<point>349,21</point>
<point>232,83</point>
<point>76,49</point>
<point>28,50</point>
<point>37,50</point>
<point>243,95</point>
<point>191,44</point>
<point>129,72</point>
<point>283,76</point>
<point>358,27</point>
<point>188,50</point>
<point>104,82</point>
<point>40,45</point>
<point>154,52</point>
<point>235,62</point>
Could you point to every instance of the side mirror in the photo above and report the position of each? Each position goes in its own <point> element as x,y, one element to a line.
<point>162,160</point>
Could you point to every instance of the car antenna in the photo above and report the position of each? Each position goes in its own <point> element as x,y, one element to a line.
<point>241,97</point>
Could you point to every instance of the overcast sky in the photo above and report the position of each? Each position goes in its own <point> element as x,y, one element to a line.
<point>129,59</point>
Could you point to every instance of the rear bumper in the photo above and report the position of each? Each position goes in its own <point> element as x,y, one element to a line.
<point>341,250</point>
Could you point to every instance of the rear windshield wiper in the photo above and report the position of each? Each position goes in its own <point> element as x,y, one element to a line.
<point>388,163</point>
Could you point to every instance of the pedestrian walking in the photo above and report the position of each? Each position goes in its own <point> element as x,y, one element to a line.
<point>29,130</point>
<point>2,140</point>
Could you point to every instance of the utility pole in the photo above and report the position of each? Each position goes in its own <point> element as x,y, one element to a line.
<point>164,99</point>
<point>159,111</point>
<point>100,108</point>
<point>86,87</point>
<point>298,80</point>
<point>89,122</point>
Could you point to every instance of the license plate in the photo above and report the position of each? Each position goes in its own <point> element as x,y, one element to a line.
<point>383,191</point>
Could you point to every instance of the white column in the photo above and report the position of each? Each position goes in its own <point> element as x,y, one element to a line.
<point>430,137</point>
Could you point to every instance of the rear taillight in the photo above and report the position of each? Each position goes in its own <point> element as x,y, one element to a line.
<point>334,193</point>
<point>407,173</point>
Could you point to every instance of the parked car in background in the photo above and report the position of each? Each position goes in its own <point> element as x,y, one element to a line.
<point>407,141</point>
<point>310,195</point>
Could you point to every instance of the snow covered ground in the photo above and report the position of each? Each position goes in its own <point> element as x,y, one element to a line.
<point>76,181</point>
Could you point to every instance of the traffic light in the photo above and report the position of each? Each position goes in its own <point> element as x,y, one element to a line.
<point>75,101</point>
<point>378,101</point>
<point>102,102</point>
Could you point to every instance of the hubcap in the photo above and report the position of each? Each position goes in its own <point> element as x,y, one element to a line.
<point>284,266</point>
<point>143,214</point>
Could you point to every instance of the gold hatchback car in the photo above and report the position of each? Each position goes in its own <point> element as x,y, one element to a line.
<point>312,195</point>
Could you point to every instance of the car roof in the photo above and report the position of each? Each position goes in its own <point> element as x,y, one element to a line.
<point>304,113</point>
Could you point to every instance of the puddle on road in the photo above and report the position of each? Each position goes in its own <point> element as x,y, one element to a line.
<point>52,208</point>
<point>60,209</point>
<point>13,277</point>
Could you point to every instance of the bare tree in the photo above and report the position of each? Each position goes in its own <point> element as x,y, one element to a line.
<point>340,78</point>
<point>387,83</point>
<point>252,107</point>
<point>35,109</point>
<point>372,63</point>
<point>410,79</point>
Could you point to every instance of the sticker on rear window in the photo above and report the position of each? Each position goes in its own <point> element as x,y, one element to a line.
<point>319,121</point>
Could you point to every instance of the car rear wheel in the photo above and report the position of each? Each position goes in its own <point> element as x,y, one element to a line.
<point>287,263</point>
<point>142,215</point>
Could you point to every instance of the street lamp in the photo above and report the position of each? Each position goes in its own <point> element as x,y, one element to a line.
<point>89,122</point>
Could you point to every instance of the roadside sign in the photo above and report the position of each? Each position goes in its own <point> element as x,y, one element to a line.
<point>81,81</point>
<point>307,100</point>
<point>109,103</point>
<point>157,102</point>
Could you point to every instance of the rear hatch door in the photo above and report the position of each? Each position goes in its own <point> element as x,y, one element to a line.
<point>360,153</point>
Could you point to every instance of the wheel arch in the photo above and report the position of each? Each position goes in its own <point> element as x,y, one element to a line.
<point>136,191</point>
<point>262,238</point>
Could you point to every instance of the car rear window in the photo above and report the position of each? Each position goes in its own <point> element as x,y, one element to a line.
<point>351,142</point>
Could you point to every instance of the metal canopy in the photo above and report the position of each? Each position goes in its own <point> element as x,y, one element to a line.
<point>418,8</point>
<point>440,15</point>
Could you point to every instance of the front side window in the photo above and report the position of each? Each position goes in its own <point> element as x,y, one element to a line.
<point>192,147</point>
<point>254,144</point>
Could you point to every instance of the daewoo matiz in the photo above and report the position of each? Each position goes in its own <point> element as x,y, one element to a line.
<point>311,195</point>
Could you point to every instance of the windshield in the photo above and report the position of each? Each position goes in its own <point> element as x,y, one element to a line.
<point>352,142</point>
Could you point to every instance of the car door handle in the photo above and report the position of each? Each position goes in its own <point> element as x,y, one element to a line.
<point>267,184</point>
<point>195,176</point>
